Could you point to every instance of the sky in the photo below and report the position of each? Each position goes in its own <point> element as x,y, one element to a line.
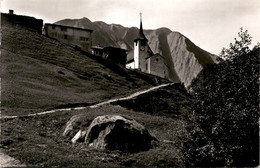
<point>210,24</point>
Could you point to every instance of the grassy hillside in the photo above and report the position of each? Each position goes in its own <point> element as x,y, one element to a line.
<point>40,73</point>
<point>172,101</point>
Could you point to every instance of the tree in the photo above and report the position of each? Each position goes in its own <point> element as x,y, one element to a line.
<point>223,128</point>
<point>241,46</point>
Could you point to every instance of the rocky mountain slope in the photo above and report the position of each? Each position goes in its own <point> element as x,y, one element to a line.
<point>184,58</point>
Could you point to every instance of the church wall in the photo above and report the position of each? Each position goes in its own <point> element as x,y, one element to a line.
<point>144,66</point>
<point>157,66</point>
<point>136,54</point>
<point>130,65</point>
<point>143,57</point>
<point>148,65</point>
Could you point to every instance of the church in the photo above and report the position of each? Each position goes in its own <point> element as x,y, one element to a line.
<point>142,57</point>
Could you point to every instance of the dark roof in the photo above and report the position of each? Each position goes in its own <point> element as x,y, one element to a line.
<point>141,35</point>
<point>20,16</point>
<point>157,54</point>
<point>149,50</point>
<point>167,65</point>
<point>113,48</point>
<point>107,48</point>
<point>130,61</point>
<point>70,27</point>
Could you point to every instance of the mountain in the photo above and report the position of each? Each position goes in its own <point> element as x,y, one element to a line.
<point>184,58</point>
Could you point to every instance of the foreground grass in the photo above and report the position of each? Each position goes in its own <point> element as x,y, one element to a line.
<point>38,141</point>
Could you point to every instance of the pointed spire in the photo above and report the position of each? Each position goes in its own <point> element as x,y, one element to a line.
<point>141,25</point>
<point>141,35</point>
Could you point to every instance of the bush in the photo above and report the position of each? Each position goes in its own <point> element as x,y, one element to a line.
<point>223,129</point>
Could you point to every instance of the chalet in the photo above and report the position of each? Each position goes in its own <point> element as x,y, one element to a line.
<point>143,58</point>
<point>78,37</point>
<point>113,54</point>
<point>19,21</point>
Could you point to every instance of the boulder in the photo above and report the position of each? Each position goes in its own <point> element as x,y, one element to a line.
<point>70,125</point>
<point>113,132</point>
<point>76,123</point>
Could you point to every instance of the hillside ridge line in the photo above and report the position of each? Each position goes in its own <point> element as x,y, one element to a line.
<point>92,106</point>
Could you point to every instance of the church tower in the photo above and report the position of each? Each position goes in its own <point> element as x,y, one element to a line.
<point>140,49</point>
<point>143,58</point>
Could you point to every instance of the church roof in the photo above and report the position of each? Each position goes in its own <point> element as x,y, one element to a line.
<point>157,54</point>
<point>141,35</point>
<point>149,50</point>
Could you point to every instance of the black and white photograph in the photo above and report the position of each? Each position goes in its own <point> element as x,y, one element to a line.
<point>129,83</point>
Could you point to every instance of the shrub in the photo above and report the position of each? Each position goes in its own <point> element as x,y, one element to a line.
<point>223,129</point>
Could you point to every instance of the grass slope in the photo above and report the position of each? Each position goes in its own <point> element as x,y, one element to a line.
<point>39,73</point>
<point>171,101</point>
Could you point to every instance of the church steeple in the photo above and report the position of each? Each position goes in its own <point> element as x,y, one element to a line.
<point>141,35</point>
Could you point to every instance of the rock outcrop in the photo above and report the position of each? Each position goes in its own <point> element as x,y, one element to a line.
<point>112,132</point>
<point>185,63</point>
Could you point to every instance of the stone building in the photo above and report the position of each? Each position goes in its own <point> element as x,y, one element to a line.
<point>113,54</point>
<point>19,21</point>
<point>78,37</point>
<point>143,58</point>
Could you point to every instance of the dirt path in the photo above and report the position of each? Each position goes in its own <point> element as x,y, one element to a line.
<point>93,106</point>
<point>131,96</point>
